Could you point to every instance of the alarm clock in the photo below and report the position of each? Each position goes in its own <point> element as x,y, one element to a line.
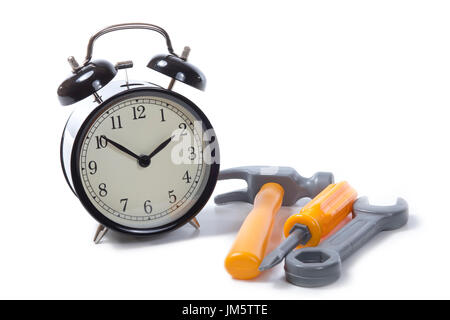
<point>142,159</point>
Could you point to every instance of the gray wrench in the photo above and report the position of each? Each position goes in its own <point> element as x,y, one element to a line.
<point>319,266</point>
<point>295,186</point>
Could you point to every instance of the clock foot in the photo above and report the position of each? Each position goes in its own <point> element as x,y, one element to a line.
<point>100,233</point>
<point>194,223</point>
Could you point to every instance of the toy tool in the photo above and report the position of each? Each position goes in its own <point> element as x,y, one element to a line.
<point>295,186</point>
<point>319,266</point>
<point>315,220</point>
<point>268,188</point>
<point>250,245</point>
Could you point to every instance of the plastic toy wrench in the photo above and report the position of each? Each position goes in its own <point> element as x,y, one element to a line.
<point>314,221</point>
<point>319,266</point>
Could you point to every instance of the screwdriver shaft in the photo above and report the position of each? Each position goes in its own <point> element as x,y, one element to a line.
<point>315,220</point>
<point>297,236</point>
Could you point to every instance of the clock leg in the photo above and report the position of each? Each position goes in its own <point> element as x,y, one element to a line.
<point>194,223</point>
<point>100,233</point>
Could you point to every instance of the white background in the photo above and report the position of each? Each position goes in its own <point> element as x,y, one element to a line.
<point>359,88</point>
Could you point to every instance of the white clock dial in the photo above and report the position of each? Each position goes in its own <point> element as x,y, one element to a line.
<point>141,161</point>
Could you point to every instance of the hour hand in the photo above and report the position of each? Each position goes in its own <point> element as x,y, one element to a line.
<point>122,148</point>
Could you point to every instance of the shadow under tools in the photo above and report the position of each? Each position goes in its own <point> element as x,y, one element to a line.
<point>214,220</point>
<point>273,275</point>
<point>378,240</point>
<point>280,282</point>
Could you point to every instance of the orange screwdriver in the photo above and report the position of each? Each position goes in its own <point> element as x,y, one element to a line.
<point>315,220</point>
<point>250,244</point>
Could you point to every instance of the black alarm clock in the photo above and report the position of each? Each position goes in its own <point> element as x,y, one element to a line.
<point>141,158</point>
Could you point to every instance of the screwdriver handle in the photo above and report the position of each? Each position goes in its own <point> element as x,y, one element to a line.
<point>250,245</point>
<point>323,213</point>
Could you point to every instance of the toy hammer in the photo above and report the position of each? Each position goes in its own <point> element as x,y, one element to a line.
<point>268,189</point>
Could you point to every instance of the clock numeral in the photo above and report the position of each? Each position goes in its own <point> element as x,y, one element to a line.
<point>102,190</point>
<point>162,115</point>
<point>101,142</point>
<point>138,112</point>
<point>187,177</point>
<point>192,154</point>
<point>183,126</point>
<point>172,197</point>
<point>92,165</point>
<point>117,125</point>
<point>148,207</point>
<point>125,202</point>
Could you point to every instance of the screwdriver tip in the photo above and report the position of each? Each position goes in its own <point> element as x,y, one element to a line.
<point>299,234</point>
<point>271,260</point>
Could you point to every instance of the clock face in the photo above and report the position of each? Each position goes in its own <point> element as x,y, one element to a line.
<point>143,162</point>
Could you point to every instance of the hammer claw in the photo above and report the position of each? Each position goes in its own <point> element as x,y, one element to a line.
<point>233,173</point>
<point>295,186</point>
<point>240,195</point>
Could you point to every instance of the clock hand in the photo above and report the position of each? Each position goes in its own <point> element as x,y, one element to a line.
<point>122,148</point>
<point>160,147</point>
<point>144,161</point>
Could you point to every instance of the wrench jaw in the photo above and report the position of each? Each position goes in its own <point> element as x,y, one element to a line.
<point>394,216</point>
<point>312,267</point>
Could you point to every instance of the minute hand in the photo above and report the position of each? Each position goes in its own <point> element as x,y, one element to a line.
<point>122,148</point>
<point>160,147</point>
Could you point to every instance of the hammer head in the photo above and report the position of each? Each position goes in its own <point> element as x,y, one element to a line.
<point>295,186</point>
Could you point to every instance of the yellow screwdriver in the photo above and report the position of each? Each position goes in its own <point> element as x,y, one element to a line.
<point>315,220</point>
